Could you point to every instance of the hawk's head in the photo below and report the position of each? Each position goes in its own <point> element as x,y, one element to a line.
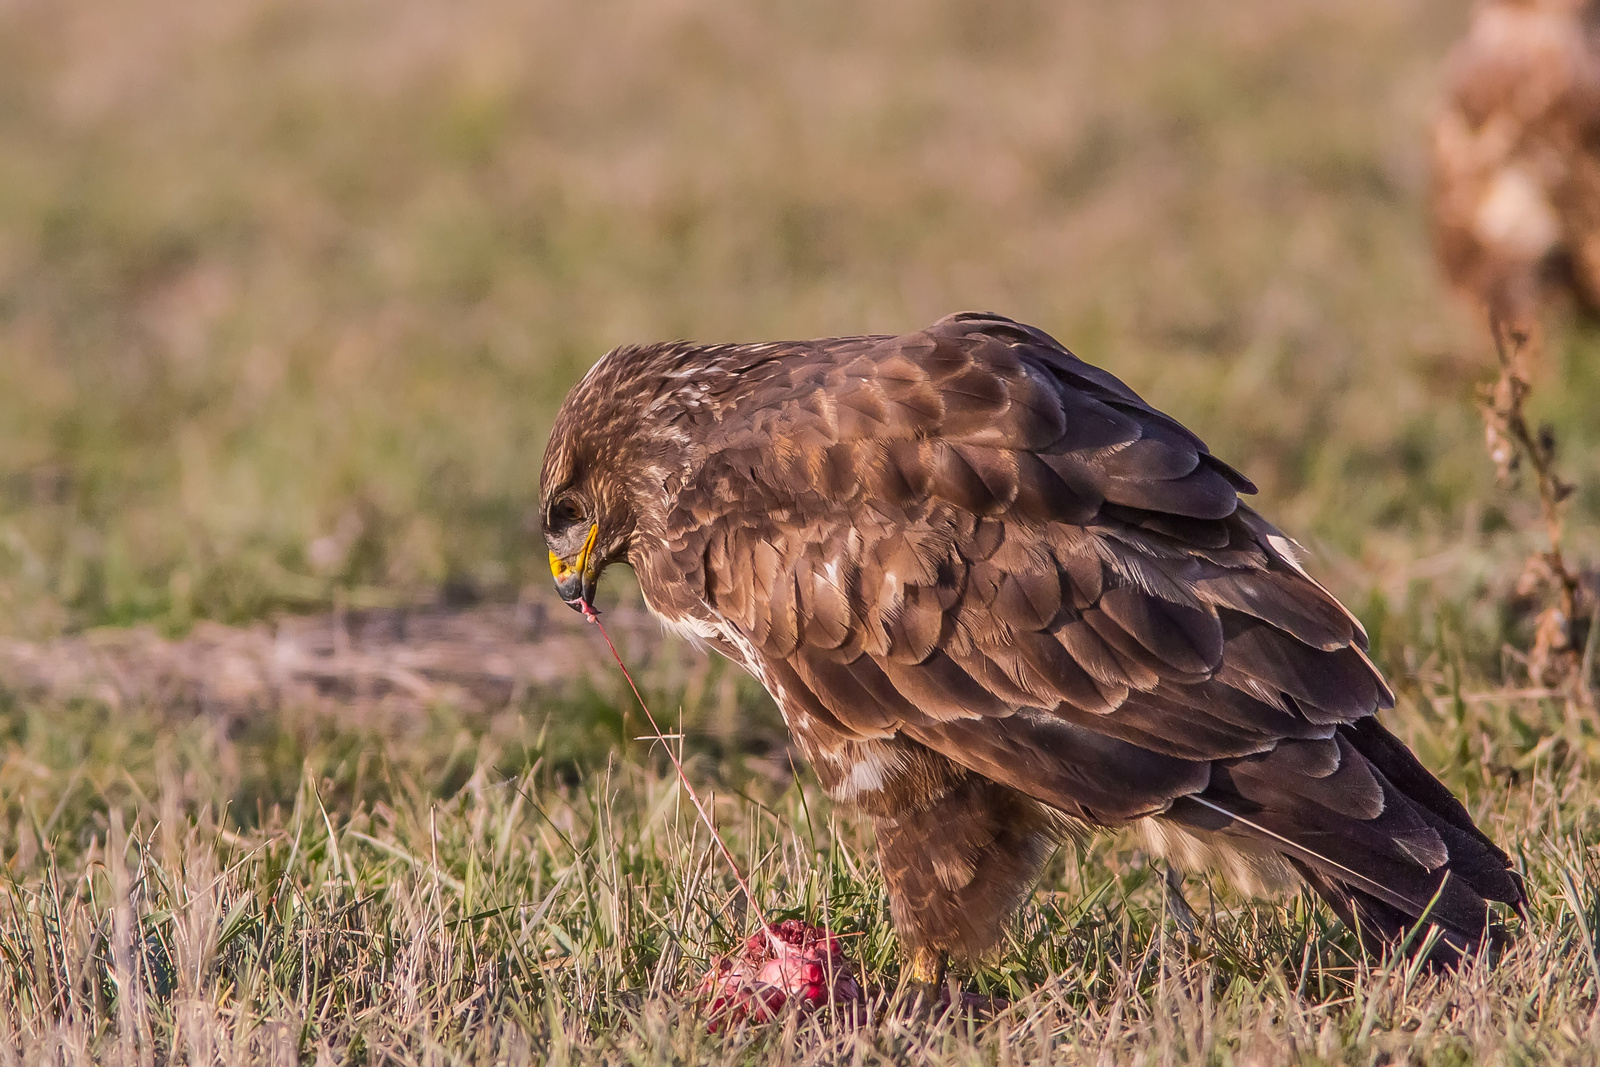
<point>605,468</point>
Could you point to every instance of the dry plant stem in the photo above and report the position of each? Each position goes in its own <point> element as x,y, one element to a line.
<point>677,765</point>
<point>1510,442</point>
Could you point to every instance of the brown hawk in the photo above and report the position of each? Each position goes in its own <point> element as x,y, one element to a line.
<point>997,596</point>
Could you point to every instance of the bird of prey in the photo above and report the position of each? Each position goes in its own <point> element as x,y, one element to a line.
<point>1516,158</point>
<point>1000,598</point>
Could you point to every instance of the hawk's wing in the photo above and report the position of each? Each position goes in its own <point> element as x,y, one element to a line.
<point>969,537</point>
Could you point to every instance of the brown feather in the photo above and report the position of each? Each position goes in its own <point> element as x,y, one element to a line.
<point>1185,639</point>
<point>1068,680</point>
<point>915,626</point>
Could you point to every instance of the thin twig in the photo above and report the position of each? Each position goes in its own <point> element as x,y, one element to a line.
<point>1511,442</point>
<point>1507,399</point>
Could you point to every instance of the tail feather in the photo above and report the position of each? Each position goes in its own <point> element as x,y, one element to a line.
<point>1377,836</point>
<point>1472,854</point>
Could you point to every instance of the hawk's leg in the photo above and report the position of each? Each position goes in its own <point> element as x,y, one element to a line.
<point>924,974</point>
<point>957,860</point>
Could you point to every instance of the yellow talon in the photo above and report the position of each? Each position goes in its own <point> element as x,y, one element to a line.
<point>926,967</point>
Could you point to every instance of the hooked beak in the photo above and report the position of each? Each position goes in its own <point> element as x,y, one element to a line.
<point>575,583</point>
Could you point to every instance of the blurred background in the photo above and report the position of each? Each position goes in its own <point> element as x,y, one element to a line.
<point>290,289</point>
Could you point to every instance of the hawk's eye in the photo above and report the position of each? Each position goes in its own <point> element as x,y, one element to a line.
<point>564,515</point>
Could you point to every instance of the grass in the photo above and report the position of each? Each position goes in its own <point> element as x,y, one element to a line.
<point>289,292</point>
<point>183,888</point>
